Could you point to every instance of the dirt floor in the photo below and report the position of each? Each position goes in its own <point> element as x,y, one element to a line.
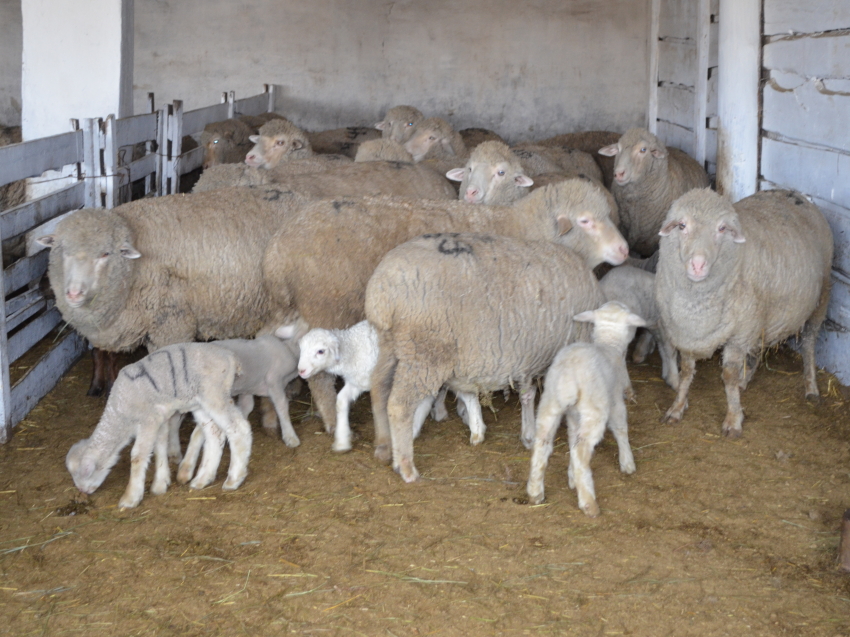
<point>709,536</point>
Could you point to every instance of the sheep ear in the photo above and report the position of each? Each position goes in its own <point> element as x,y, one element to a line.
<point>48,241</point>
<point>610,151</point>
<point>668,228</point>
<point>128,251</point>
<point>382,125</point>
<point>254,138</point>
<point>297,144</point>
<point>564,225</point>
<point>524,180</point>
<point>734,231</point>
<point>456,174</point>
<point>447,146</point>
<point>658,153</point>
<point>585,317</point>
<point>634,319</point>
<point>87,467</point>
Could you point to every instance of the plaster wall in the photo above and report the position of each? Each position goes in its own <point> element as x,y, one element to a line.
<point>526,70</point>
<point>10,62</point>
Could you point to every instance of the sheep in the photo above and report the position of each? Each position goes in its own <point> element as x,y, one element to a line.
<point>434,138</point>
<point>227,141</point>
<point>382,150</point>
<point>648,177</point>
<point>188,377</point>
<point>267,365</point>
<point>399,123</point>
<point>743,278</point>
<point>342,141</point>
<point>336,179</point>
<point>328,293</point>
<point>278,140</point>
<point>587,382</point>
<point>473,137</point>
<point>477,312</point>
<point>589,142</point>
<point>155,271</point>
<point>635,289</point>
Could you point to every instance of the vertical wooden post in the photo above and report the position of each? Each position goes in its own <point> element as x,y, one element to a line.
<point>5,380</point>
<point>231,104</point>
<point>110,164</point>
<point>269,88</point>
<point>701,83</point>
<point>149,148</point>
<point>176,135</point>
<point>91,164</point>
<point>652,109</point>
<point>739,61</point>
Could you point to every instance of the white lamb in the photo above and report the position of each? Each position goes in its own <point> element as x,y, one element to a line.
<point>587,382</point>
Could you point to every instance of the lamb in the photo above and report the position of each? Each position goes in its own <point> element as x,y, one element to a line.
<point>435,139</point>
<point>267,365</point>
<point>189,377</point>
<point>329,293</point>
<point>477,312</point>
<point>587,382</point>
<point>278,140</point>
<point>227,141</point>
<point>382,150</point>
<point>648,178</point>
<point>342,141</point>
<point>635,289</point>
<point>589,142</point>
<point>743,278</point>
<point>336,179</point>
<point>399,123</point>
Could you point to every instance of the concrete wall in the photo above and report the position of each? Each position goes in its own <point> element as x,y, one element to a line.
<point>526,70</point>
<point>10,62</point>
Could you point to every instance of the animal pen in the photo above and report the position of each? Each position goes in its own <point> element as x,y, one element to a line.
<point>708,537</point>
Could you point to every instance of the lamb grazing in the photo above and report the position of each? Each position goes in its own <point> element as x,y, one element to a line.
<point>154,272</point>
<point>329,293</point>
<point>473,137</point>
<point>382,150</point>
<point>435,139</point>
<point>587,382</point>
<point>589,142</point>
<point>342,141</point>
<point>189,377</point>
<point>267,365</point>
<point>227,141</point>
<point>399,123</point>
<point>477,312</point>
<point>743,278</point>
<point>648,178</point>
<point>635,289</point>
<point>277,141</point>
<point>337,179</point>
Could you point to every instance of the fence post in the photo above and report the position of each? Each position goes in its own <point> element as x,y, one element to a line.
<point>269,88</point>
<point>231,104</point>
<point>149,148</point>
<point>176,136</point>
<point>91,163</point>
<point>162,151</point>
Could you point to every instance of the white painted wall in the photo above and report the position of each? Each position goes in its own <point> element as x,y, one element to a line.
<point>526,70</point>
<point>10,62</point>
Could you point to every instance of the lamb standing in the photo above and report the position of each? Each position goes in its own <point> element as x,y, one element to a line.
<point>743,278</point>
<point>648,178</point>
<point>189,377</point>
<point>587,382</point>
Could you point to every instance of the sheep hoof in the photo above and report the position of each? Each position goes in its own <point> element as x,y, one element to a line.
<point>159,488</point>
<point>814,397</point>
<point>292,442</point>
<point>272,431</point>
<point>672,418</point>
<point>476,439</point>
<point>175,457</point>
<point>628,467</point>
<point>183,476</point>
<point>528,443</point>
<point>128,502</point>
<point>383,454</point>
<point>231,484</point>
<point>536,498</point>
<point>732,433</point>
<point>199,483</point>
<point>408,471</point>
<point>342,447</point>
<point>439,414</point>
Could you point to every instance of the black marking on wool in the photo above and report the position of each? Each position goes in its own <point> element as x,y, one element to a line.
<point>353,132</point>
<point>797,200</point>
<point>274,195</point>
<point>453,247</point>
<point>347,146</point>
<point>585,177</point>
<point>142,372</point>
<point>520,152</point>
<point>398,165</point>
<point>339,205</point>
<point>167,354</point>
<point>185,366</point>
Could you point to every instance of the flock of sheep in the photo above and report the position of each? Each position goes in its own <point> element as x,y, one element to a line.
<point>364,261</point>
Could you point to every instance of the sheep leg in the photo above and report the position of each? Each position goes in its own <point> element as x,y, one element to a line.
<point>231,421</point>
<point>733,374</point>
<point>174,454</point>
<point>401,407</point>
<point>212,438</point>
<point>581,451</point>
<point>342,435</point>
<point>324,397</point>
<point>421,414</point>
<point>268,417</point>
<point>809,338</point>
<point>277,394</point>
<point>140,456</point>
<point>475,419</point>
<point>644,346</point>
<point>752,364</point>
<point>245,402</point>
<point>382,381</point>
<point>439,411</point>
<point>549,417</point>
<point>669,361</point>
<point>162,472</point>
<point>526,399</point>
<point>104,371</point>
<point>190,458</point>
<point>619,426</point>
<point>686,377</point>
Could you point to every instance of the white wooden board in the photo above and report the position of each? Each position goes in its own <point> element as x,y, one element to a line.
<point>677,19</point>
<point>22,218</point>
<point>677,62</point>
<point>676,136</point>
<point>676,105</point>
<point>711,146</point>
<point>194,121</point>
<point>711,99</point>
<point>807,16</point>
<point>30,159</point>
<point>814,171</point>
<point>825,56</point>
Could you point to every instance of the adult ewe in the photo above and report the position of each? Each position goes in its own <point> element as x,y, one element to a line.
<point>743,278</point>
<point>477,312</point>
<point>277,141</point>
<point>590,142</point>
<point>227,141</point>
<point>648,178</point>
<point>329,292</point>
<point>399,123</point>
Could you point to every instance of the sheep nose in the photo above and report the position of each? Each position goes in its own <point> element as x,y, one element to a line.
<point>619,174</point>
<point>74,296</point>
<point>698,265</point>
<point>471,195</point>
<point>624,249</point>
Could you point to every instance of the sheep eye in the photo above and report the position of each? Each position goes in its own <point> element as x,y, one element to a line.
<point>280,142</point>
<point>721,229</point>
<point>215,141</point>
<point>104,255</point>
<point>681,226</point>
<point>320,352</point>
<point>410,123</point>
<point>501,173</point>
<point>643,150</point>
<point>432,138</point>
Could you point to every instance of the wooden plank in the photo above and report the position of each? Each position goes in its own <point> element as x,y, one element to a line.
<point>175,135</point>
<point>142,167</point>
<point>652,103</point>
<point>44,375</point>
<point>711,146</point>
<point>21,341</point>
<point>24,271</point>
<point>822,56</point>
<point>677,62</point>
<point>191,160</point>
<point>253,105</point>
<point>814,171</point>
<point>31,159</point>
<point>26,216</point>
<point>113,174</point>
<point>132,130</point>
<point>676,136</point>
<point>713,44</point>
<point>839,220</point>
<point>676,105</point>
<point>23,306</point>
<point>701,80</point>
<point>811,16</point>
<point>677,19</point>
<point>711,99</point>
<point>194,121</point>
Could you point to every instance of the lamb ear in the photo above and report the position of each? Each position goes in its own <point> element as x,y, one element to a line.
<point>447,146</point>
<point>668,227</point>
<point>735,232</point>
<point>658,153</point>
<point>382,125</point>
<point>254,138</point>
<point>48,241</point>
<point>634,319</point>
<point>610,151</point>
<point>524,180</point>
<point>564,225</point>
<point>297,144</point>
<point>87,467</point>
<point>128,251</point>
<point>585,317</point>
<point>456,174</point>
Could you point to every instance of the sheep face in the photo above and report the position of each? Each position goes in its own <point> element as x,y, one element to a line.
<point>432,138</point>
<point>90,255</point>
<point>84,465</point>
<point>613,323</point>
<point>492,175</point>
<point>703,230</point>
<point>215,149</point>
<point>399,123</point>
<point>638,152</point>
<point>319,351</point>
<point>268,152</point>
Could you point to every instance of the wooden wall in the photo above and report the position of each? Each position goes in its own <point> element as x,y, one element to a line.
<point>806,134</point>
